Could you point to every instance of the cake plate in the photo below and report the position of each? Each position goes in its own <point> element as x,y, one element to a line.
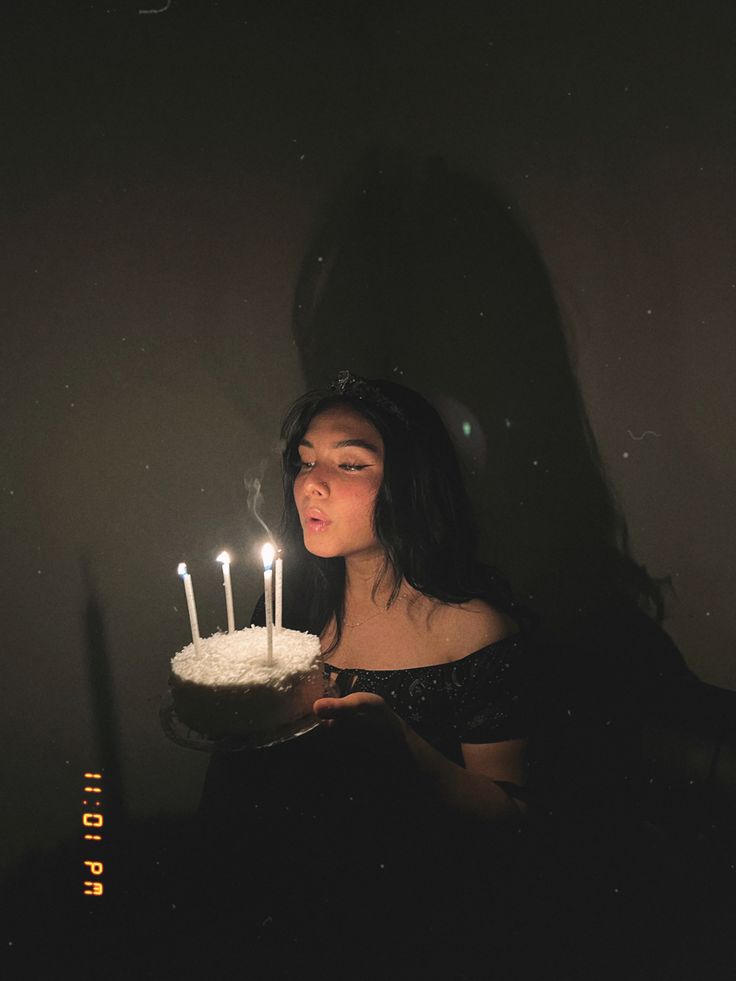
<point>183,735</point>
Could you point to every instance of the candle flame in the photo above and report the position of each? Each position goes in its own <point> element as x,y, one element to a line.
<point>224,557</point>
<point>268,553</point>
<point>182,569</point>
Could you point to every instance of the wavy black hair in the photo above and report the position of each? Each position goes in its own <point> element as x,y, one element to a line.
<point>423,517</point>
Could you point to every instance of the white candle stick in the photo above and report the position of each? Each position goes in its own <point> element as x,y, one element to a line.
<point>279,590</point>
<point>267,553</point>
<point>224,558</point>
<point>187,580</point>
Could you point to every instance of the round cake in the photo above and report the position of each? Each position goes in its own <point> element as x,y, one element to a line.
<point>227,688</point>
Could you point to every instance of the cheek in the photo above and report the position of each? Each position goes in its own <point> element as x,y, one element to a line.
<point>299,482</point>
<point>364,504</point>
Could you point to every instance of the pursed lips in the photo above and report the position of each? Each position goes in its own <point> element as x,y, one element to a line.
<point>316,520</point>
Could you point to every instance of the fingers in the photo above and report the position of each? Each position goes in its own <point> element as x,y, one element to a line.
<point>322,708</point>
<point>332,708</point>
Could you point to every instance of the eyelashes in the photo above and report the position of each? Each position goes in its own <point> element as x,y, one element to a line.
<point>304,467</point>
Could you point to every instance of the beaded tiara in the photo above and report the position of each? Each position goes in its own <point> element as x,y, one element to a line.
<point>346,383</point>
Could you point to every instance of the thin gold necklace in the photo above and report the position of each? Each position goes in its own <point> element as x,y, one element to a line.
<point>373,616</point>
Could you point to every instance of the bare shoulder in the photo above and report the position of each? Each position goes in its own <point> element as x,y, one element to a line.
<point>471,626</point>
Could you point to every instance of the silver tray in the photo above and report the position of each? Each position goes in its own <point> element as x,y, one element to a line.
<point>182,735</point>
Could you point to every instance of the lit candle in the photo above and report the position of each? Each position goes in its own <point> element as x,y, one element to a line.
<point>224,558</point>
<point>187,579</point>
<point>279,589</point>
<point>267,553</point>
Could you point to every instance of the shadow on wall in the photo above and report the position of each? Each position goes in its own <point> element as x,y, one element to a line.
<point>102,698</point>
<point>427,277</point>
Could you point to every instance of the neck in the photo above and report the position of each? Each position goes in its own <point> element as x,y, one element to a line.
<point>362,575</point>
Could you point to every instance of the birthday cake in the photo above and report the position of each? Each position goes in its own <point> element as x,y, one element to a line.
<point>226,687</point>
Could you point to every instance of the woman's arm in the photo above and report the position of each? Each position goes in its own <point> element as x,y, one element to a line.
<point>472,790</point>
<point>469,791</point>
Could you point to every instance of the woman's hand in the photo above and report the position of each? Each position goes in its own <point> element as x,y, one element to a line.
<point>363,714</point>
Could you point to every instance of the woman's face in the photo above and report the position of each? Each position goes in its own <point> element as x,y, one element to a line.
<point>335,490</point>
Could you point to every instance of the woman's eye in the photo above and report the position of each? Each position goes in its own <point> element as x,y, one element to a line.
<point>306,465</point>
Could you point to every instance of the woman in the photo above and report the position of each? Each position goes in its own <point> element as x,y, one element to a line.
<point>373,489</point>
<point>389,810</point>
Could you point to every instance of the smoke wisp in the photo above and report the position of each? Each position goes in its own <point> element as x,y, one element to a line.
<point>255,503</point>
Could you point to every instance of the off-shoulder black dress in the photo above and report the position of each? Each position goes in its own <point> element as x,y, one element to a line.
<point>325,829</point>
<point>480,698</point>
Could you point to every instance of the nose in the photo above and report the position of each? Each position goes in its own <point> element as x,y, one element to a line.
<point>315,485</point>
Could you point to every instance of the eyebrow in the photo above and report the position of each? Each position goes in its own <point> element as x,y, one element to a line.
<point>362,443</point>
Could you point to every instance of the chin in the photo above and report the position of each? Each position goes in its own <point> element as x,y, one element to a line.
<point>321,549</point>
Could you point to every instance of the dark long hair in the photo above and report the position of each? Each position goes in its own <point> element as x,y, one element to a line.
<point>422,518</point>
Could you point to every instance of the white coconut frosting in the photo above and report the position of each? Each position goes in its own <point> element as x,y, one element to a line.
<point>240,658</point>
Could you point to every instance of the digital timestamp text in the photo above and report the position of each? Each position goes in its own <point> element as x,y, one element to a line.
<point>93,822</point>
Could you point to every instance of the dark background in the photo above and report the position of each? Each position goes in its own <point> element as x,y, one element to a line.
<point>162,177</point>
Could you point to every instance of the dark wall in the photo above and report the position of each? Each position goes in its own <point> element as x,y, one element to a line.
<point>163,178</point>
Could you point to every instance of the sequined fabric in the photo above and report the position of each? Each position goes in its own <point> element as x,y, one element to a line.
<point>481,698</point>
